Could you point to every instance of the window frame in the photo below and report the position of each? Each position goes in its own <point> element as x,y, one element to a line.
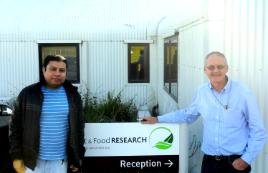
<point>146,63</point>
<point>77,47</point>
<point>168,77</point>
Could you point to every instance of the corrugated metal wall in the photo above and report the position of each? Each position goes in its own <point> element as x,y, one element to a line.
<point>246,45</point>
<point>19,66</point>
<point>104,62</point>
<point>108,71</point>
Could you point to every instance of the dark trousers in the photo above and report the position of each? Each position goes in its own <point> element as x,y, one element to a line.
<point>221,164</point>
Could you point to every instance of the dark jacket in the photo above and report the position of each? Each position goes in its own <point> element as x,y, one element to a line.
<point>25,125</point>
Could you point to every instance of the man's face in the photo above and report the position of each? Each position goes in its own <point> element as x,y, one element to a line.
<point>216,69</point>
<point>55,74</point>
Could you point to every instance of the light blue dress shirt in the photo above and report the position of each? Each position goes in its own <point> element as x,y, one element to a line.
<point>235,130</point>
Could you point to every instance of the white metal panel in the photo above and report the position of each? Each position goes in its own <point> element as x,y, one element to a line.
<point>107,66</point>
<point>107,71</point>
<point>18,66</point>
<point>245,46</point>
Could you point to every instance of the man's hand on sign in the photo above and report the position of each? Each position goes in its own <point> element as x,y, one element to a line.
<point>149,120</point>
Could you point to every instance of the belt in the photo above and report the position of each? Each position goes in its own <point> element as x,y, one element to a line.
<point>221,158</point>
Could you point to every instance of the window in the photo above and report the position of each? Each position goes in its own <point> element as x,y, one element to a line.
<point>171,66</point>
<point>69,50</point>
<point>138,63</point>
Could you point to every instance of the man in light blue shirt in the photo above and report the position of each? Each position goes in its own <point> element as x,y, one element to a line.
<point>233,132</point>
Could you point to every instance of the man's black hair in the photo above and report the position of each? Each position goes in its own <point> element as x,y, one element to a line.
<point>58,58</point>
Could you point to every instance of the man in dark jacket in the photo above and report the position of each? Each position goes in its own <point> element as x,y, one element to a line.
<point>47,127</point>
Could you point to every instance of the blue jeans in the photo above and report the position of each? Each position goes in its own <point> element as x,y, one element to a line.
<point>49,166</point>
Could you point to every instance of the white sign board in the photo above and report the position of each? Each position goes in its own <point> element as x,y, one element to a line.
<point>131,139</point>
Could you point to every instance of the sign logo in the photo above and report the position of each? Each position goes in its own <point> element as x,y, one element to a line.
<point>161,138</point>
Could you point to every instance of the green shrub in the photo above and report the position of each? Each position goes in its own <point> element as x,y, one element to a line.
<point>110,109</point>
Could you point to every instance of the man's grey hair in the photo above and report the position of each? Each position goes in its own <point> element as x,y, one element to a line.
<point>215,53</point>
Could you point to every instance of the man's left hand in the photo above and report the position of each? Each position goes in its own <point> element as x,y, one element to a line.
<point>73,168</point>
<point>240,164</point>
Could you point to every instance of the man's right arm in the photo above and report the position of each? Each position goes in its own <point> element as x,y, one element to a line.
<point>187,115</point>
<point>179,116</point>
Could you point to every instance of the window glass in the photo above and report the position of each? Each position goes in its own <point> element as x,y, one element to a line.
<point>138,66</point>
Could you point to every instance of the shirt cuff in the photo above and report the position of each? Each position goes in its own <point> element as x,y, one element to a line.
<point>160,119</point>
<point>246,157</point>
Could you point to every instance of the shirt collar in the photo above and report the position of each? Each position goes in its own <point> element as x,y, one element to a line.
<point>226,88</point>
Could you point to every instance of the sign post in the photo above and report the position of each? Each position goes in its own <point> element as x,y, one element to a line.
<point>131,147</point>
